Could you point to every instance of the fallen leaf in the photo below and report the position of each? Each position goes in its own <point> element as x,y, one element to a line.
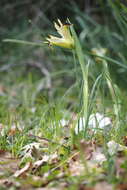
<point>76,168</point>
<point>6,183</point>
<point>122,186</point>
<point>39,163</point>
<point>87,147</point>
<point>32,151</point>
<point>8,164</point>
<point>103,185</point>
<point>13,130</point>
<point>98,157</point>
<point>22,172</point>
<point>2,90</point>
<point>53,158</point>
<point>120,171</point>
<point>125,140</point>
<point>50,188</point>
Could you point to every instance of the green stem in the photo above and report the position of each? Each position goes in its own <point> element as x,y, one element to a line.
<point>113,93</point>
<point>84,69</point>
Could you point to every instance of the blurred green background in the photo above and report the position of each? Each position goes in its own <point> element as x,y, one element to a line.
<point>50,72</point>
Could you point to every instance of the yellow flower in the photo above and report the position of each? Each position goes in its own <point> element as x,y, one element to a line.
<point>66,40</point>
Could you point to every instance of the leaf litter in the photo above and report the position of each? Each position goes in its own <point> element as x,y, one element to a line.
<point>39,168</point>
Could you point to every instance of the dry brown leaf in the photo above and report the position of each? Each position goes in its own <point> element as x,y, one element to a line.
<point>76,168</point>
<point>50,188</point>
<point>43,142</point>
<point>53,158</point>
<point>39,163</point>
<point>13,130</point>
<point>8,164</point>
<point>6,183</point>
<point>98,186</point>
<point>98,157</point>
<point>33,151</point>
<point>122,186</point>
<point>2,89</point>
<point>22,172</point>
<point>9,183</point>
<point>87,147</point>
<point>103,185</point>
<point>93,154</point>
<point>125,140</point>
<point>83,187</point>
<point>119,170</point>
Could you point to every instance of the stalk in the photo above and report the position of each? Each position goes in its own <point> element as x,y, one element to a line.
<point>112,90</point>
<point>84,68</point>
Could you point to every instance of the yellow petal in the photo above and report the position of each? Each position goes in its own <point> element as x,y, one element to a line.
<point>66,39</point>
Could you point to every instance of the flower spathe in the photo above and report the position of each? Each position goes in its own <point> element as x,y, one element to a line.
<point>66,40</point>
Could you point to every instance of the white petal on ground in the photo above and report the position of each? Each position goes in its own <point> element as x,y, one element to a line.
<point>98,158</point>
<point>98,120</point>
<point>114,147</point>
<point>80,125</point>
<point>95,121</point>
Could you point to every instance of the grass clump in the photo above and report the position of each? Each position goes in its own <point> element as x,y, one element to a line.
<point>65,124</point>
